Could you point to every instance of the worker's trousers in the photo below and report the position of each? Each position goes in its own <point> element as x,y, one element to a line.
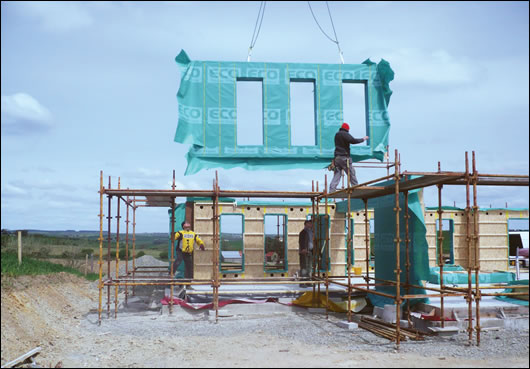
<point>342,163</point>
<point>187,257</point>
<point>306,264</point>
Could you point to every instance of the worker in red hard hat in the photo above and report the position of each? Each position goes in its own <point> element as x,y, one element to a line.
<point>342,159</point>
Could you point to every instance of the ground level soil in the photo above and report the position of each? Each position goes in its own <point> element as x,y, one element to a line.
<point>58,314</point>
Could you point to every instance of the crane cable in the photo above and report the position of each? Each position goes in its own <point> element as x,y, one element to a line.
<point>255,35</point>
<point>336,40</point>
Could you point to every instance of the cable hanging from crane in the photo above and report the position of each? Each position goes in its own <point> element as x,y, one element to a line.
<point>255,35</point>
<point>336,40</point>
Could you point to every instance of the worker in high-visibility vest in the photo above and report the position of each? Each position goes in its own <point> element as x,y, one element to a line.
<point>185,243</point>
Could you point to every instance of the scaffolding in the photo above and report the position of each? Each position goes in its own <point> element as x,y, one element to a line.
<point>403,182</point>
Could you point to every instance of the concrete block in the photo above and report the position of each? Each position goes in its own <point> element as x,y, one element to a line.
<point>378,312</point>
<point>347,325</point>
<point>389,313</point>
<point>488,323</point>
<point>446,331</point>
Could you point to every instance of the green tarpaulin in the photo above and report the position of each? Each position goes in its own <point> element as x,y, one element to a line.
<point>207,101</point>
<point>385,245</point>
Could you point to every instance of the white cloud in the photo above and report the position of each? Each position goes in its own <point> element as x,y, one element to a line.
<point>57,15</point>
<point>10,190</point>
<point>21,113</point>
<point>24,106</point>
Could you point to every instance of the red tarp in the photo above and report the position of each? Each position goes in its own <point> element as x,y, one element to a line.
<point>181,302</point>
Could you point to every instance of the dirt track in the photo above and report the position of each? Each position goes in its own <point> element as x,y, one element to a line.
<point>53,312</point>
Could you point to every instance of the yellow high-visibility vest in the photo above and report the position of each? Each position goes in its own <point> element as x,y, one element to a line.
<point>187,240</point>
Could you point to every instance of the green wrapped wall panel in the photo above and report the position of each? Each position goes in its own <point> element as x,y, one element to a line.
<point>207,100</point>
<point>385,246</point>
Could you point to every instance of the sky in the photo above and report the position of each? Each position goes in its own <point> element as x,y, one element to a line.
<point>91,86</point>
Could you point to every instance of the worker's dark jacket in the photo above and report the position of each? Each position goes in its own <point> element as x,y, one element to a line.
<point>303,240</point>
<point>343,140</point>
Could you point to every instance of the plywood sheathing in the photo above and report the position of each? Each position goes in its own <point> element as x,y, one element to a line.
<point>493,239</point>
<point>254,237</point>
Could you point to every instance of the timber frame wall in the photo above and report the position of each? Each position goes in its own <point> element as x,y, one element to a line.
<point>403,183</point>
<point>493,233</point>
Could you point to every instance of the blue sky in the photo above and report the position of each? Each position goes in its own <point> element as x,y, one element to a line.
<point>92,86</point>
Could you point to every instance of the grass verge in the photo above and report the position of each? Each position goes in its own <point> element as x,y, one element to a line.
<point>31,266</point>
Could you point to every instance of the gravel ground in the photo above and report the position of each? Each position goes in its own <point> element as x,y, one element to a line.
<point>58,313</point>
<point>146,260</point>
<point>314,329</point>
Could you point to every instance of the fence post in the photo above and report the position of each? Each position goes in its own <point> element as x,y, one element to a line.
<point>19,247</point>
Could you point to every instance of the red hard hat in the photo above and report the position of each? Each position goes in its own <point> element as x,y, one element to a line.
<point>345,126</point>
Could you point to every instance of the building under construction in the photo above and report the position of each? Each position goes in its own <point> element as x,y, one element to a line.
<point>479,242</point>
<point>252,236</point>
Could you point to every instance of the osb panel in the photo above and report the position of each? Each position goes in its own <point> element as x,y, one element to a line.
<point>293,258</point>
<point>203,227</point>
<point>494,253</point>
<point>254,257</point>
<point>253,271</point>
<point>202,272</point>
<point>337,241</point>
<point>493,228</point>
<point>202,257</point>
<point>492,215</point>
<point>203,211</point>
<point>253,242</point>
<point>499,241</point>
<point>338,226</point>
<point>292,243</point>
<point>518,214</point>
<point>492,265</point>
<point>253,226</point>
<point>338,270</point>
<point>338,256</point>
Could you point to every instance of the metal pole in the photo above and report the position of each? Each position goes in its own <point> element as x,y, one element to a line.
<point>127,250</point>
<point>407,262</point>
<point>468,240</point>
<point>216,247</point>
<point>100,239</point>
<point>440,248</point>
<point>367,240</point>
<point>314,261</point>
<point>118,217</point>
<point>172,237</point>
<point>348,254</point>
<point>476,248</point>
<point>328,267</point>
<point>397,240</point>
<point>109,277</point>
<point>318,238</point>
<point>19,247</point>
<point>134,243</point>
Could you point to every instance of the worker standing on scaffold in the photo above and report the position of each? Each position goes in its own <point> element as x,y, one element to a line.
<point>186,240</point>
<point>342,159</point>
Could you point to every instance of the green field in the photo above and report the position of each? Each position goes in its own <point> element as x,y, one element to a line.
<point>30,266</point>
<point>76,245</point>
